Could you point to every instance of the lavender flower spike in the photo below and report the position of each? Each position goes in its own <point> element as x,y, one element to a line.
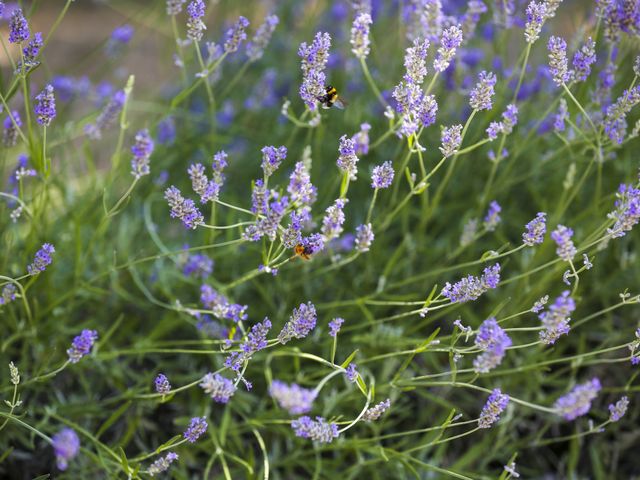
<point>18,27</point>
<point>42,259</point>
<point>451,139</point>
<point>46,106</point>
<point>375,412</point>
<point>66,445</point>
<point>578,401</point>
<point>482,94</point>
<point>470,287</point>
<point>494,341</point>
<point>255,48</point>
<point>449,43</point>
<point>236,35</point>
<point>492,219</point>
<point>317,430</point>
<point>535,230</point>
<point>197,427</point>
<point>219,388</point>
<point>618,410</point>
<point>382,176</point>
<point>536,15</point>
<point>182,208</point>
<point>300,324</point>
<point>558,63</point>
<point>360,35</point>
<point>627,211</point>
<point>162,384</point>
<point>293,398</point>
<point>82,345</point>
<point>556,319</point>
<point>195,25</point>
<point>562,236</point>
<point>162,464</point>
<point>348,161</point>
<point>496,403</point>
<point>272,157</point>
<point>334,326</point>
<point>364,237</point>
<point>141,150</point>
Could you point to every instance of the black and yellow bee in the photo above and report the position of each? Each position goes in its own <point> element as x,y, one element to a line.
<point>302,252</point>
<point>331,98</point>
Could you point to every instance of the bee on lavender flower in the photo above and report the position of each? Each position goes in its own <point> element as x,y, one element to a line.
<point>302,251</point>
<point>331,98</point>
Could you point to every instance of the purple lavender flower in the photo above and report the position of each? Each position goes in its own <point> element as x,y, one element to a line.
<point>583,59</point>
<point>509,119</point>
<point>46,107</point>
<point>364,237</point>
<point>66,445</point>
<point>493,341</point>
<point>300,324</point>
<point>184,209</point>
<point>8,294</point>
<point>41,260</point>
<point>416,109</point>
<point>196,428</point>
<point>627,211</point>
<point>221,306</point>
<point>470,287</point>
<point>618,410</point>
<point>536,15</point>
<point>314,60</point>
<point>198,265</point>
<point>236,35</point>
<point>494,129</point>
<point>10,135</point>
<point>562,236</point>
<point>361,139</point>
<point>167,131</point>
<point>302,192</point>
<point>556,319</point>
<point>141,150</point>
<point>30,53</point>
<point>351,372</point>
<point>578,401</point>
<point>313,243</point>
<point>162,464</point>
<point>561,116</point>
<point>496,403</point>
<point>471,17</point>
<point>107,116</point>
<point>317,430</point>
<point>615,123</point>
<point>374,413</point>
<point>195,25</point>
<point>481,95</point>
<point>535,230</point>
<point>293,398</point>
<point>558,63</point>
<point>120,36</point>
<point>18,27</point>
<point>415,62</point>
<point>348,161</point>
<point>272,157</point>
<point>208,190</point>
<point>162,384</point>
<point>382,176</point>
<point>335,325</point>
<point>360,35</point>
<point>451,138</point>
<point>492,218</point>
<point>81,345</point>
<point>449,43</point>
<point>256,341</point>
<point>255,48</point>
<point>333,220</point>
<point>174,7</point>
<point>219,388</point>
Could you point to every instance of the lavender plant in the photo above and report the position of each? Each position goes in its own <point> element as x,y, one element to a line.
<point>304,239</point>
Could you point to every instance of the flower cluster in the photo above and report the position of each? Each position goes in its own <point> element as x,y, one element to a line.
<point>141,150</point>
<point>535,230</point>
<point>482,94</point>
<point>558,63</point>
<point>415,107</point>
<point>300,324</point>
<point>360,35</point>
<point>470,287</point>
<point>256,340</point>
<point>197,426</point>
<point>492,218</point>
<point>272,157</point>
<point>162,384</point>
<point>317,430</point>
<point>314,60</point>
<point>333,220</point>
<point>536,13</point>
<point>293,398</point>
<point>449,42</point>
<point>255,48</point>
<point>81,345</point>
<point>220,305</point>
<point>493,341</point>
<point>361,139</point>
<point>496,403</point>
<point>219,388</point>
<point>627,211</point>
<point>195,25</point>
<point>578,401</point>
<point>335,325</point>
<point>183,208</point>
<point>162,464</point>
<point>374,413</point>
<point>505,126</point>
<point>556,320</point>
<point>364,237</point>
<point>451,138</point>
<point>66,445</point>
<point>382,176</point>
<point>46,106</point>
<point>107,116</point>
<point>236,35</point>
<point>617,410</point>
<point>42,259</point>
<point>348,161</point>
<point>566,250</point>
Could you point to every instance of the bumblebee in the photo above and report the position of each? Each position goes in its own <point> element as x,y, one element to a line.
<point>331,98</point>
<point>302,252</point>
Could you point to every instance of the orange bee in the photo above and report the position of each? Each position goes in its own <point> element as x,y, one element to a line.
<point>302,251</point>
